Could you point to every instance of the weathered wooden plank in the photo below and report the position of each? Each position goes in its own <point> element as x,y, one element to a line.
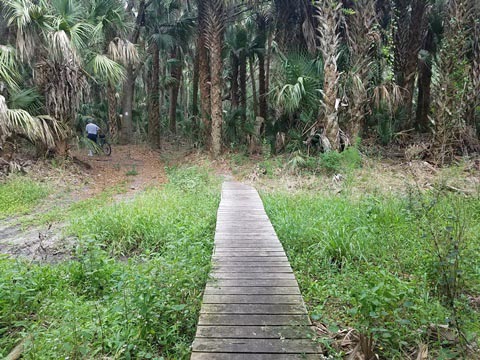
<point>254,282</point>
<point>251,290</point>
<point>252,275</point>
<point>259,309</point>
<point>243,356</point>
<point>258,263</point>
<point>259,269</point>
<point>280,346</point>
<point>253,319</point>
<point>252,299</point>
<point>248,251</point>
<point>254,332</point>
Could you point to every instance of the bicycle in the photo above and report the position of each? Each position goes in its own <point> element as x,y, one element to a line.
<point>104,145</point>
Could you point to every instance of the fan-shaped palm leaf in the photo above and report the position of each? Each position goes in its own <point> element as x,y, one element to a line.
<point>107,70</point>
<point>8,66</point>
<point>42,129</point>
<point>26,99</point>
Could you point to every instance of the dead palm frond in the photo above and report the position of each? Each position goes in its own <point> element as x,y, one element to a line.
<point>123,51</point>
<point>19,13</point>
<point>38,129</point>
<point>61,48</point>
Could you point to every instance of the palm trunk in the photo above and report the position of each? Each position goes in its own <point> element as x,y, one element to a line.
<point>268,63</point>
<point>154,115</point>
<point>262,87</point>
<point>234,81</point>
<point>214,37</point>
<point>424,85</point>
<point>175,73</point>
<point>204,73</point>
<point>112,113</point>
<point>196,69</point>
<point>243,85</point>
<point>408,41</point>
<point>329,18</point>
<point>254,86</point>
<point>127,106</point>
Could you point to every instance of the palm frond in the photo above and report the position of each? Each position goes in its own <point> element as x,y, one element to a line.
<point>8,66</point>
<point>107,70</point>
<point>81,34</point>
<point>26,99</point>
<point>123,51</point>
<point>61,47</point>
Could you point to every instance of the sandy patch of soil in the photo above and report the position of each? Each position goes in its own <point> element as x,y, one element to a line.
<point>129,170</point>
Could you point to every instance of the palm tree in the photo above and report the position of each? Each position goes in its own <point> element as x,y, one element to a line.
<point>215,26</point>
<point>410,16</point>
<point>452,84</point>
<point>361,36</point>
<point>111,26</point>
<point>329,15</point>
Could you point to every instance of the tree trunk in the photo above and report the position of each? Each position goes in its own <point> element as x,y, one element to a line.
<point>204,73</point>
<point>175,73</point>
<point>410,16</point>
<point>234,81</point>
<point>329,15</point>
<point>112,113</point>
<point>262,87</point>
<point>214,37</point>
<point>196,69</point>
<point>131,74</point>
<point>424,85</point>
<point>243,85</point>
<point>268,63</point>
<point>154,115</point>
<point>127,106</point>
<point>254,86</point>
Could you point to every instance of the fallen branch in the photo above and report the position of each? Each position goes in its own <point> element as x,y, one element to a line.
<point>17,351</point>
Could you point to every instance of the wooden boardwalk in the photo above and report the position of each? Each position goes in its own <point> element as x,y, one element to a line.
<point>252,307</point>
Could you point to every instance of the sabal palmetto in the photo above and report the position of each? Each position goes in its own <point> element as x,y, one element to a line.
<point>298,87</point>
<point>214,30</point>
<point>362,35</point>
<point>329,14</point>
<point>111,27</point>
<point>452,82</point>
<point>410,21</point>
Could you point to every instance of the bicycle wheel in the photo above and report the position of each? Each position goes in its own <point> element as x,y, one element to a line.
<point>107,149</point>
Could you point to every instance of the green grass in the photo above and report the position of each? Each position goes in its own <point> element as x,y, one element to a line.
<point>381,264</point>
<point>19,195</point>
<point>96,305</point>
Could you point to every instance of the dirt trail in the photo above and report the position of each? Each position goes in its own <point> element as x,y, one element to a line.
<point>129,170</point>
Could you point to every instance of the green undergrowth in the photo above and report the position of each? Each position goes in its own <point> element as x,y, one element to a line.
<point>19,195</point>
<point>395,268</point>
<point>133,289</point>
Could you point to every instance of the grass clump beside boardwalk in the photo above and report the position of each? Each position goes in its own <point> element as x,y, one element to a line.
<point>97,306</point>
<point>19,195</point>
<point>394,268</point>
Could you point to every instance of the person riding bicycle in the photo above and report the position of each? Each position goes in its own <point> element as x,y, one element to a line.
<point>92,132</point>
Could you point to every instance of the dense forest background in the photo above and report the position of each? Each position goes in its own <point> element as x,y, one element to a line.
<point>287,75</point>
